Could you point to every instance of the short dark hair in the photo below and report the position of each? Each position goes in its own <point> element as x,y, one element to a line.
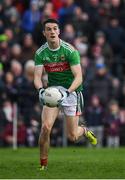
<point>50,21</point>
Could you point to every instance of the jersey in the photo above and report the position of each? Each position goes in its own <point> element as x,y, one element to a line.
<point>57,63</point>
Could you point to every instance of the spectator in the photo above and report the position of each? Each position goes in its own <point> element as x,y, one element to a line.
<point>31,17</point>
<point>4,54</point>
<point>2,85</point>
<point>28,47</point>
<point>68,33</point>
<point>66,12</point>
<point>122,96</point>
<point>33,133</point>
<point>101,84</point>
<point>26,92</point>
<point>49,12</point>
<point>8,110</point>
<point>100,40</point>
<point>94,116</point>
<point>10,90</point>
<point>117,42</point>
<point>81,44</point>
<point>16,68</point>
<point>81,23</point>
<point>16,52</point>
<point>122,127</point>
<point>113,122</point>
<point>92,8</point>
<point>3,122</point>
<point>21,133</point>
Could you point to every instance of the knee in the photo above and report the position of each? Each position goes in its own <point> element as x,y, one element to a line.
<point>72,137</point>
<point>46,129</point>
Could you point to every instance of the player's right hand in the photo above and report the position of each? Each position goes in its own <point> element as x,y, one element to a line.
<point>41,100</point>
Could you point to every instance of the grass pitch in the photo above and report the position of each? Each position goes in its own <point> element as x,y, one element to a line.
<point>64,163</point>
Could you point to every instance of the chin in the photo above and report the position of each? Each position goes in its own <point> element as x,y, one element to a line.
<point>53,40</point>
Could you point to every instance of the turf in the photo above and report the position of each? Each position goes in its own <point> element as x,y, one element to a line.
<point>64,163</point>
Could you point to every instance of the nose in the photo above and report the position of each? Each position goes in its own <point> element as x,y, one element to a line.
<point>52,31</point>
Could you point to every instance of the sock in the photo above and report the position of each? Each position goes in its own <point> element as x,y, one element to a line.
<point>85,129</point>
<point>44,162</point>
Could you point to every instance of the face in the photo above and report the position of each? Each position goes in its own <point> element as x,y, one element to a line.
<point>51,32</point>
<point>114,108</point>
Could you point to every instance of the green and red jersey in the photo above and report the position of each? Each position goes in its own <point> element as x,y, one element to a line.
<point>57,63</point>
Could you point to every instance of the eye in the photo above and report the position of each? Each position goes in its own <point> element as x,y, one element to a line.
<point>48,29</point>
<point>55,28</point>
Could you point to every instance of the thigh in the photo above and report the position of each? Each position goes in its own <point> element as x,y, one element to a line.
<point>73,105</point>
<point>49,116</point>
<point>72,123</point>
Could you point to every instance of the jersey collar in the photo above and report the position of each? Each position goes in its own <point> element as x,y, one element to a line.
<point>56,48</point>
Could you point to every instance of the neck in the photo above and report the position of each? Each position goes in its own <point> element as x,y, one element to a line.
<point>54,45</point>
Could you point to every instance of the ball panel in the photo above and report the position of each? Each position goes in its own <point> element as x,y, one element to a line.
<point>52,96</point>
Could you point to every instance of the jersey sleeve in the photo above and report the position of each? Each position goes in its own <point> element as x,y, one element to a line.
<point>38,60</point>
<point>74,58</point>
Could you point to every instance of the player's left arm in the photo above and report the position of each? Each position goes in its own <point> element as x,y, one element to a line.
<point>74,61</point>
<point>77,72</point>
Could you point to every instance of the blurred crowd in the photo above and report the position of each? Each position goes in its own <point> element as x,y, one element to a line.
<point>97,29</point>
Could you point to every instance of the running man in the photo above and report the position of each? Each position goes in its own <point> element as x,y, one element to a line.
<point>61,62</point>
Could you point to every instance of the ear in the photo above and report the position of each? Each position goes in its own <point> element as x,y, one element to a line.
<point>44,33</point>
<point>59,32</point>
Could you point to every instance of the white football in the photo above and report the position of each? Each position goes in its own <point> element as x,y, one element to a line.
<point>51,96</point>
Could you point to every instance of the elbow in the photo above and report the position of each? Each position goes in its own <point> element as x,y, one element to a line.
<point>80,79</point>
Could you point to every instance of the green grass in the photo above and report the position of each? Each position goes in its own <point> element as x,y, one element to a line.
<point>70,163</point>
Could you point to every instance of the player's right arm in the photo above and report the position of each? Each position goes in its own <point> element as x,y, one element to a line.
<point>38,76</point>
<point>38,72</point>
<point>38,82</point>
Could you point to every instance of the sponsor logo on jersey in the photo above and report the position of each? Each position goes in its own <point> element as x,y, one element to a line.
<point>57,67</point>
<point>47,59</point>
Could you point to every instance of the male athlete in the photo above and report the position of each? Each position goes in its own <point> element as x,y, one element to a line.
<point>61,61</point>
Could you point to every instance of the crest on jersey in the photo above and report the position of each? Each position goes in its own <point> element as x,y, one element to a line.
<point>62,57</point>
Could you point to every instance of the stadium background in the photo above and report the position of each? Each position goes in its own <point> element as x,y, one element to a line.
<point>97,29</point>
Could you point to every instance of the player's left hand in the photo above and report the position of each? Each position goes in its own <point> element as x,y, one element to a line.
<point>65,94</point>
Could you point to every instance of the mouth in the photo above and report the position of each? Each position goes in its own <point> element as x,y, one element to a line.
<point>52,37</point>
